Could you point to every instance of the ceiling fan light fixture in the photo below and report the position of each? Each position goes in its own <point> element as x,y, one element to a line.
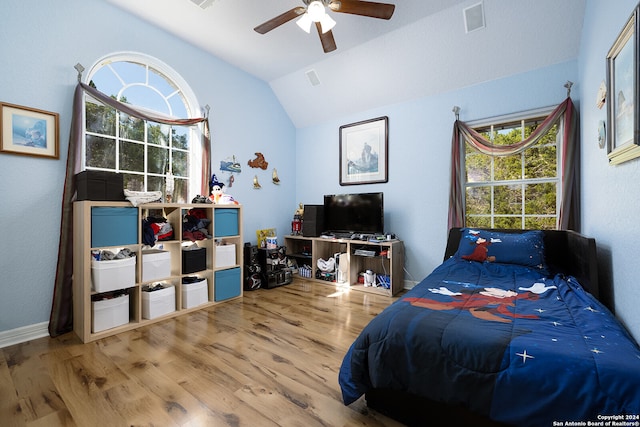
<point>315,10</point>
<point>327,23</point>
<point>305,22</point>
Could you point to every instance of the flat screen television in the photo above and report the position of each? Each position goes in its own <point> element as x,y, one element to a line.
<point>354,213</point>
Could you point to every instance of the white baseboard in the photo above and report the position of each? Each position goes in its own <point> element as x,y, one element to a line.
<point>23,334</point>
<point>409,284</point>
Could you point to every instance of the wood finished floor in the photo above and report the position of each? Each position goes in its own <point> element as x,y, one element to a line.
<point>268,359</point>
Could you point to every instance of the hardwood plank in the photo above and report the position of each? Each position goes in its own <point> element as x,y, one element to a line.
<point>10,409</point>
<point>60,418</point>
<point>33,386</point>
<point>269,359</point>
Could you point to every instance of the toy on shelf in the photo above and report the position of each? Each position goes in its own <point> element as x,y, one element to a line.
<point>216,188</point>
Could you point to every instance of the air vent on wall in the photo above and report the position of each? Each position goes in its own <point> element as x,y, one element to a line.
<point>473,17</point>
<point>203,3</point>
<point>313,77</point>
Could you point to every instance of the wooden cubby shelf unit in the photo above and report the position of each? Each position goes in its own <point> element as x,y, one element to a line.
<point>387,259</point>
<point>112,226</point>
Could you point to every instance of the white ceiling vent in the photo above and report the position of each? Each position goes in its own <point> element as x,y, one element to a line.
<point>203,3</point>
<point>473,17</point>
<point>313,77</point>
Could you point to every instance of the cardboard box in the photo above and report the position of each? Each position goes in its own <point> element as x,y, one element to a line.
<point>158,303</point>
<point>156,264</point>
<point>111,275</point>
<point>225,255</point>
<point>109,313</point>
<point>113,226</point>
<point>194,294</point>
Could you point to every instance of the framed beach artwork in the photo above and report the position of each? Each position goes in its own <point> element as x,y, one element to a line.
<point>28,131</point>
<point>364,150</point>
<point>622,90</point>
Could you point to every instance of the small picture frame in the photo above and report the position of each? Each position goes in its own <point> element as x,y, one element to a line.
<point>364,150</point>
<point>28,131</point>
<point>622,94</point>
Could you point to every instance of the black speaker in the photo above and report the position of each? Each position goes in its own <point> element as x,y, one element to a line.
<point>313,220</point>
<point>252,268</point>
<point>250,254</point>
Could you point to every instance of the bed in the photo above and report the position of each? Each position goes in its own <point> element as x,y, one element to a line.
<point>508,330</point>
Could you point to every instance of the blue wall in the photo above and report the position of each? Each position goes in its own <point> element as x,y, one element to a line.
<point>246,117</point>
<point>611,195</point>
<point>40,42</point>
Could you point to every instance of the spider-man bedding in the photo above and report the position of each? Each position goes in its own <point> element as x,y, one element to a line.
<point>501,337</point>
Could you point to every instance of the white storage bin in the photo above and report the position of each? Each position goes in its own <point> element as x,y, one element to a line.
<point>225,255</point>
<point>113,274</point>
<point>158,303</point>
<point>156,264</point>
<point>109,313</point>
<point>194,294</point>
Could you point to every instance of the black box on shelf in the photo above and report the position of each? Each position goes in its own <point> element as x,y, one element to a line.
<point>100,185</point>
<point>194,260</point>
<point>313,220</point>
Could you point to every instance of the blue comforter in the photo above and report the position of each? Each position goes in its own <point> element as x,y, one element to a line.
<point>503,341</point>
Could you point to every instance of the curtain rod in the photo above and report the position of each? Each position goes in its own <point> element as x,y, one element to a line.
<point>79,68</point>
<point>568,85</point>
<point>456,111</point>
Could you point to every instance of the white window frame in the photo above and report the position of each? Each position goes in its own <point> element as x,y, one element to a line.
<point>499,121</point>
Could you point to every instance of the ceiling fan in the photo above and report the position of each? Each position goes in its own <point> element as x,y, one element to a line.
<point>314,12</point>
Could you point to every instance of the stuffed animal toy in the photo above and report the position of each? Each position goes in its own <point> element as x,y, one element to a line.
<point>216,188</point>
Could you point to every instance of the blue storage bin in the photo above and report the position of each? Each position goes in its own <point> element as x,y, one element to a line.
<point>227,284</point>
<point>113,226</point>
<point>226,222</point>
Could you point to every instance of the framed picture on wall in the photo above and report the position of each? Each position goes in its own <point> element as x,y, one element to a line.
<point>28,131</point>
<point>364,150</point>
<point>622,89</point>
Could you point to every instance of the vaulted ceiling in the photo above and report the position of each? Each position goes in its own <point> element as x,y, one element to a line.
<point>424,49</point>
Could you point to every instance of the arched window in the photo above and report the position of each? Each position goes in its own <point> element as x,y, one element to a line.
<point>146,153</point>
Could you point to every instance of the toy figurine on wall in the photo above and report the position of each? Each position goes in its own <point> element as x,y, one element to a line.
<point>216,188</point>
<point>259,162</point>
<point>231,167</point>
<point>256,184</point>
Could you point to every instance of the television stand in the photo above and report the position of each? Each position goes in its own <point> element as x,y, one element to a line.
<point>384,257</point>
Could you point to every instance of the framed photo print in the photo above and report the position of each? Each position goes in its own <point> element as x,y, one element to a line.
<point>364,150</point>
<point>28,131</point>
<point>622,90</point>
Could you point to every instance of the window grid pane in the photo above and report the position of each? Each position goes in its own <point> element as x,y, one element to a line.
<point>517,191</point>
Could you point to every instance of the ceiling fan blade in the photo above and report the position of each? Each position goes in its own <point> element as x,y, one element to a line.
<point>363,8</point>
<point>279,20</point>
<point>327,40</point>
